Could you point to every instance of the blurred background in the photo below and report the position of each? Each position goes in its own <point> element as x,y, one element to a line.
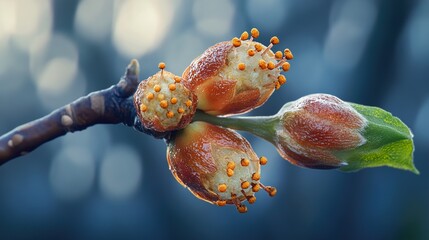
<point>112,182</point>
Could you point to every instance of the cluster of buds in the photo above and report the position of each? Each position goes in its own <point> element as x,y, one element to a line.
<point>217,164</point>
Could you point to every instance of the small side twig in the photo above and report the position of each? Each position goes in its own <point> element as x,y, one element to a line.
<point>109,106</point>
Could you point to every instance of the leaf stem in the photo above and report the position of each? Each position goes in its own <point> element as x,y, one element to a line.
<point>261,126</point>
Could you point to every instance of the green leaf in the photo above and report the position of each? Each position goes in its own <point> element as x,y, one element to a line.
<point>389,142</point>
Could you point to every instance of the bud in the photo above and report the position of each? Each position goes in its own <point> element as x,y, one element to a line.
<point>311,129</point>
<point>236,76</point>
<point>216,164</point>
<point>321,131</point>
<point>163,103</point>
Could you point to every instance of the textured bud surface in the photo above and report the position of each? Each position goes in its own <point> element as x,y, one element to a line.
<point>163,103</point>
<point>312,128</point>
<point>216,164</point>
<point>236,76</point>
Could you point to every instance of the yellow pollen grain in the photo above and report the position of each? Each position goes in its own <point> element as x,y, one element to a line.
<point>229,172</point>
<point>272,191</point>
<point>255,188</point>
<point>170,114</point>
<point>286,66</point>
<point>245,185</point>
<point>258,47</point>
<point>222,187</point>
<point>251,52</point>
<point>221,203</point>
<point>177,79</point>
<point>278,85</point>
<point>271,65</point>
<point>143,108</point>
<point>244,36</point>
<point>278,55</point>
<point>274,40</point>
<point>172,87</point>
<point>263,160</point>
<point>236,42</point>
<point>180,110</point>
<point>251,199</point>
<point>241,66</point>
<point>256,176</point>
<point>231,165</point>
<point>150,96</point>
<point>157,88</point>
<point>262,64</point>
<point>161,65</point>
<point>242,208</point>
<point>163,104</point>
<point>245,162</point>
<point>254,32</point>
<point>288,54</point>
<point>173,100</point>
<point>188,103</point>
<point>281,79</point>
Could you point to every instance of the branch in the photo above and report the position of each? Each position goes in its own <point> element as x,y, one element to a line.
<point>109,106</point>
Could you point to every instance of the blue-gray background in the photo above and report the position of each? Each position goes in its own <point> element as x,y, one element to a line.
<point>112,182</point>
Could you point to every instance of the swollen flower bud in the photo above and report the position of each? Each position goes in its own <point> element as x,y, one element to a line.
<point>216,164</point>
<point>236,76</point>
<point>313,128</point>
<point>163,103</point>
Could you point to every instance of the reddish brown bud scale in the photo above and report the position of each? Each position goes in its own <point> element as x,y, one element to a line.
<point>315,126</point>
<point>209,161</point>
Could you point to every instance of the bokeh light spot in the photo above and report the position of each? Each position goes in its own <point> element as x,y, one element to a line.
<point>72,173</point>
<point>213,18</point>
<point>352,22</point>
<point>269,15</point>
<point>140,26</point>
<point>120,172</point>
<point>86,12</point>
